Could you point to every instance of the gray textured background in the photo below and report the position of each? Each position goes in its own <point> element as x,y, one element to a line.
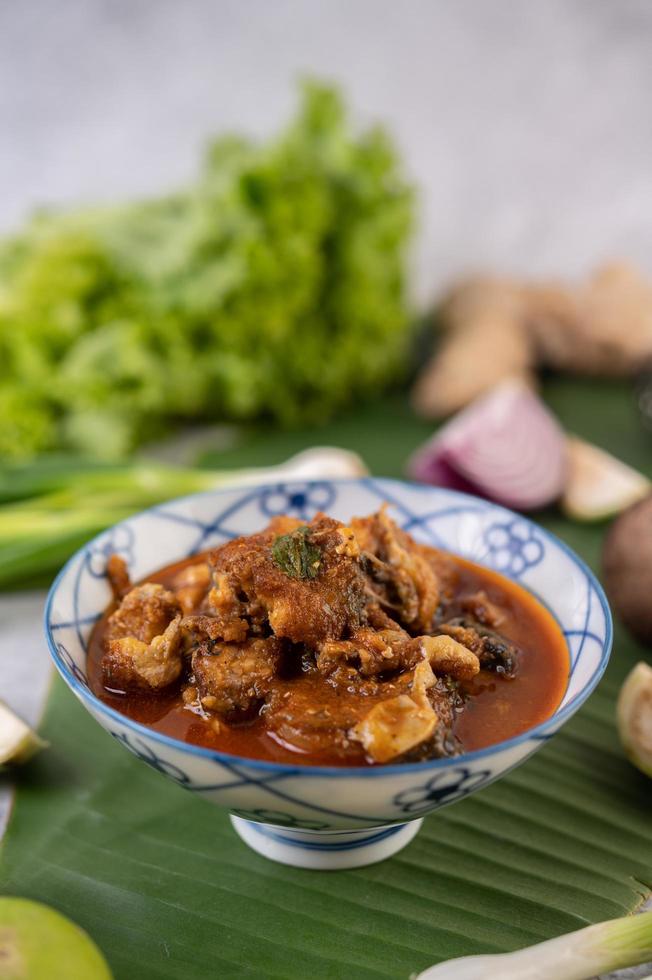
<point>527,127</point>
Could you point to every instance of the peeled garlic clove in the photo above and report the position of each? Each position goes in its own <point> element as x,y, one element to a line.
<point>634,714</point>
<point>318,463</point>
<point>597,484</point>
<point>323,461</point>
<point>18,742</point>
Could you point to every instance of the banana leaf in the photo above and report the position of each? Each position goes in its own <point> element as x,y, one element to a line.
<point>159,880</point>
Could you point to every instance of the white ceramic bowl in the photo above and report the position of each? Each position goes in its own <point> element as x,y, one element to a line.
<point>324,817</point>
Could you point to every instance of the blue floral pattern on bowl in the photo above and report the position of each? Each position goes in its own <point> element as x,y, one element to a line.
<point>280,819</point>
<point>444,787</point>
<point>300,500</point>
<point>119,542</point>
<point>321,799</point>
<point>513,547</point>
<point>146,753</point>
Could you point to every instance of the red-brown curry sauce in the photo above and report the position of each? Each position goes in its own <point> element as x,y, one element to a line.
<point>498,709</point>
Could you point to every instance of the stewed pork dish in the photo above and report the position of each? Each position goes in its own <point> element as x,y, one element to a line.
<point>326,643</point>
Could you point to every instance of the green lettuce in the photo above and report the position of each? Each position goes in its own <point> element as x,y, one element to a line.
<point>272,287</point>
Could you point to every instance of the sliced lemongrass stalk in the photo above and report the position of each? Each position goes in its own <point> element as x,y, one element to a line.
<point>597,484</point>
<point>18,742</point>
<point>576,956</point>
<point>634,713</point>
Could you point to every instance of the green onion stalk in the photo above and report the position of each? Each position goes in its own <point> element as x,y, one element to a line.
<point>48,511</point>
<point>576,956</point>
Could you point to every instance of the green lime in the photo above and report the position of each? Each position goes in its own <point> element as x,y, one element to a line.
<point>37,943</point>
<point>634,714</point>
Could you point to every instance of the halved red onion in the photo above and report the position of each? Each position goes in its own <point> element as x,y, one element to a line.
<point>506,446</point>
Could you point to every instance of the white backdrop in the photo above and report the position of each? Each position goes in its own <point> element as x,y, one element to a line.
<point>526,125</point>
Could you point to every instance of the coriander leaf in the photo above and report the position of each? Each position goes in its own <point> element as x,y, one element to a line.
<point>296,555</point>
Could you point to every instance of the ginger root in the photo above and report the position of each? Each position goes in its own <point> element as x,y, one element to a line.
<point>497,329</point>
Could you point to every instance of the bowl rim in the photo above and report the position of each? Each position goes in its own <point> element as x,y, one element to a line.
<point>536,733</point>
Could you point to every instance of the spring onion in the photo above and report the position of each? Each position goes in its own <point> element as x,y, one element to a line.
<point>64,507</point>
<point>576,956</point>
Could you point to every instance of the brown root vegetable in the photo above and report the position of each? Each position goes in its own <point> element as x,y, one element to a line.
<point>485,344</point>
<point>497,329</point>
<point>603,327</point>
<point>627,568</point>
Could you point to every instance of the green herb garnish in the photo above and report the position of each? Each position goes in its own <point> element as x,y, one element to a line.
<point>295,555</point>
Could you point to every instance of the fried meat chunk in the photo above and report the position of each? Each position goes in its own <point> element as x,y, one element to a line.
<point>313,724</point>
<point>370,651</point>
<point>142,640</point>
<point>402,579</point>
<point>190,586</point>
<point>450,658</point>
<point>493,651</point>
<point>145,612</point>
<point>132,663</point>
<point>480,608</point>
<point>236,616</point>
<point>376,652</point>
<point>234,679</point>
<point>118,576</point>
<point>306,584</point>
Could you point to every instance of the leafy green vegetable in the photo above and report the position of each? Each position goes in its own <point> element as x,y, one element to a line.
<point>274,286</point>
<point>295,554</point>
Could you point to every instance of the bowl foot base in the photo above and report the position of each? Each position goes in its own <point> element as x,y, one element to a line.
<point>325,850</point>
